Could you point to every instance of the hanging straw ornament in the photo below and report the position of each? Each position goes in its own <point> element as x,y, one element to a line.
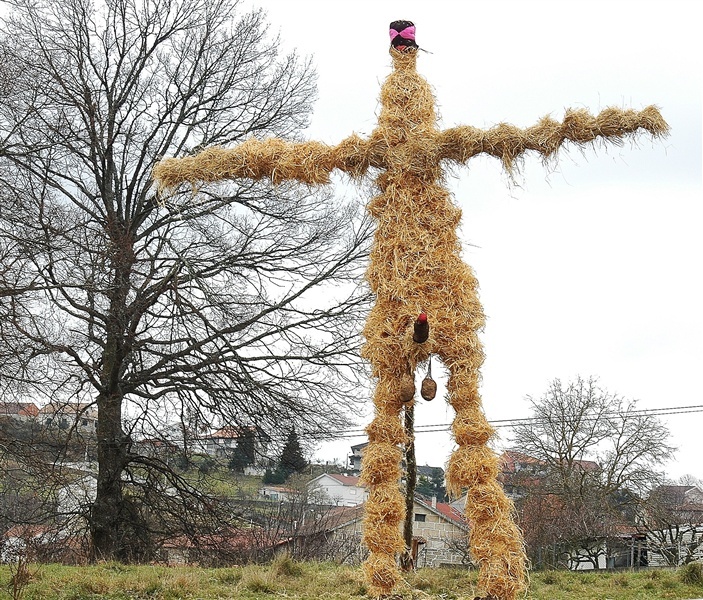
<point>428,388</point>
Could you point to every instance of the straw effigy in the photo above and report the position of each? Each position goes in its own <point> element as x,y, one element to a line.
<point>415,266</point>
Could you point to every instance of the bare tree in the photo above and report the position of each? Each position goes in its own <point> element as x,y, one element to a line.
<point>15,280</point>
<point>239,303</point>
<point>597,456</point>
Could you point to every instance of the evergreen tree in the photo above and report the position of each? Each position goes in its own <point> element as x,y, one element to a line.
<point>273,477</point>
<point>292,459</point>
<point>432,484</point>
<point>244,454</point>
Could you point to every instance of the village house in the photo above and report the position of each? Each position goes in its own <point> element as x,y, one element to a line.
<point>74,498</point>
<point>19,411</point>
<point>356,456</point>
<point>42,543</point>
<point>445,533</point>
<point>440,534</point>
<point>77,416</point>
<point>278,493</point>
<point>227,441</point>
<point>339,490</point>
<point>674,524</point>
<point>518,473</point>
<point>154,447</point>
<point>521,474</point>
<point>230,546</point>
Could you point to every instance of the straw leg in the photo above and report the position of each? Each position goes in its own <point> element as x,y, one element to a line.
<point>495,540</point>
<point>381,472</point>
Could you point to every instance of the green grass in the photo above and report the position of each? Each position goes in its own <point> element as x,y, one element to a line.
<point>289,580</point>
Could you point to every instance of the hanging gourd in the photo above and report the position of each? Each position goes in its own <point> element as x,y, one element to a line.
<point>428,388</point>
<point>407,387</point>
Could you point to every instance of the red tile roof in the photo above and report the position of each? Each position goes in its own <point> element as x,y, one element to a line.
<point>450,512</point>
<point>445,510</point>
<point>23,409</point>
<point>350,480</point>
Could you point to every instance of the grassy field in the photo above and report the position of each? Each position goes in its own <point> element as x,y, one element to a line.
<point>289,580</point>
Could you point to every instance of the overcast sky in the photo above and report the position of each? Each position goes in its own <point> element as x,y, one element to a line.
<point>589,266</point>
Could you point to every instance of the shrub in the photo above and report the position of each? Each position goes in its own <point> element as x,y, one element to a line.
<point>691,574</point>
<point>284,565</point>
<point>229,576</point>
<point>258,583</point>
<point>550,577</point>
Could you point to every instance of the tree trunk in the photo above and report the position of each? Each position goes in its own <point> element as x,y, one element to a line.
<point>406,560</point>
<point>107,513</point>
<point>111,524</point>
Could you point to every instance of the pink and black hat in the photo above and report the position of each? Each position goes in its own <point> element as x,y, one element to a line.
<point>402,35</point>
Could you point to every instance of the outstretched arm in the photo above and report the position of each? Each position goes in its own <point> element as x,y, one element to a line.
<point>275,159</point>
<point>509,143</point>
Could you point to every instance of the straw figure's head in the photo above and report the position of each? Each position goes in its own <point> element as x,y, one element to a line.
<point>403,36</point>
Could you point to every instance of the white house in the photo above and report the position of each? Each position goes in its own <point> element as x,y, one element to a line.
<point>76,498</point>
<point>675,525</point>
<point>341,490</point>
<point>278,493</point>
<point>356,456</point>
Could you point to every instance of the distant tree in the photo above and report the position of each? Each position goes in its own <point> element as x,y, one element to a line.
<point>273,476</point>
<point>240,301</point>
<point>432,484</point>
<point>598,456</point>
<point>319,468</point>
<point>290,462</point>
<point>292,459</point>
<point>244,454</point>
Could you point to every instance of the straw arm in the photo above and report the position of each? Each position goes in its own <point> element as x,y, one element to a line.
<point>274,159</point>
<point>509,143</point>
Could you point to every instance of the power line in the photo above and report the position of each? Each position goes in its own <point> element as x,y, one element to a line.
<point>526,421</point>
<point>360,432</point>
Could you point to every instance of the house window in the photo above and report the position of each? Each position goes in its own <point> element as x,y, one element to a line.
<point>419,518</point>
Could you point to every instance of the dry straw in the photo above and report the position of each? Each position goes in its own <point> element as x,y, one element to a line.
<point>415,266</point>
